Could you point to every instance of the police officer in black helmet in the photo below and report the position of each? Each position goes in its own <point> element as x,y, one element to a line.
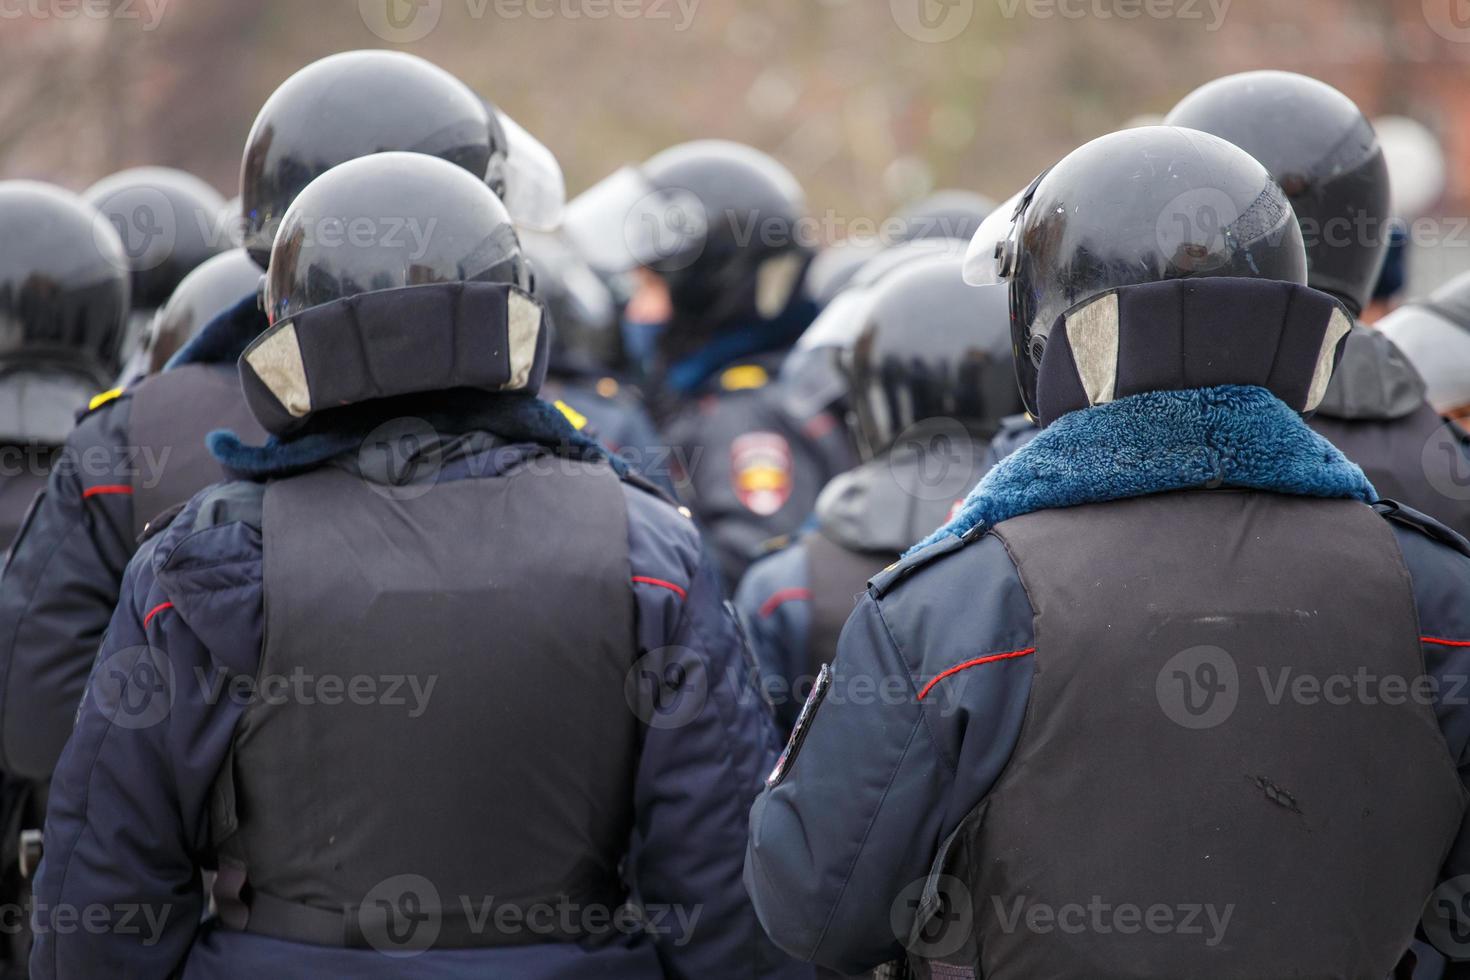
<point>148,439</point>
<point>584,344</point>
<point>710,233</point>
<point>63,307</point>
<point>169,222</point>
<point>63,304</point>
<point>417,513</point>
<point>1323,152</point>
<point>929,373</point>
<point>1082,742</point>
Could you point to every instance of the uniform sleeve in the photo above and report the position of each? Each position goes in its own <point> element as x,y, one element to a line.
<point>708,741</point>
<point>905,743</point>
<point>119,892</point>
<point>774,603</point>
<point>1441,581</point>
<point>59,589</point>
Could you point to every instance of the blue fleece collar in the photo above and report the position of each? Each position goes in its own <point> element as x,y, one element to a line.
<point>1158,441</point>
<point>515,418</point>
<point>223,339</point>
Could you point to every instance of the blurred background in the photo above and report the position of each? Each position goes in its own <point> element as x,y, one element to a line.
<point>870,102</point>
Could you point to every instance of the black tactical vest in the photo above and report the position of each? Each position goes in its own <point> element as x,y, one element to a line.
<point>1203,786</point>
<point>172,413</point>
<point>507,785</point>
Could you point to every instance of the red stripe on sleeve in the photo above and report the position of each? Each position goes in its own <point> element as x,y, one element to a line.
<point>155,611</point>
<point>1444,643</point>
<point>973,663</point>
<point>107,488</point>
<point>645,580</point>
<point>781,597</point>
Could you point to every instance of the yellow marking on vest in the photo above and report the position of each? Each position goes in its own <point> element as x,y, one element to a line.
<point>99,400</point>
<point>743,377</point>
<point>578,420</point>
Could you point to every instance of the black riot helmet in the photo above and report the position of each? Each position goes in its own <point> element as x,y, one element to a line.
<point>392,274</point>
<point>719,221</point>
<point>929,346</point>
<point>1144,205</point>
<point>347,106</point>
<point>208,291</point>
<point>169,222</point>
<point>64,283</point>
<point>583,312</point>
<point>943,214</point>
<point>1323,152</point>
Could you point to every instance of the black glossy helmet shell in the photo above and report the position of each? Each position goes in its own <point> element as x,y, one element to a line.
<point>386,221</point>
<point>931,347</point>
<point>1322,150</point>
<point>64,283</point>
<point>169,222</point>
<point>943,214</point>
<point>1143,205</point>
<point>347,106</point>
<point>208,291</point>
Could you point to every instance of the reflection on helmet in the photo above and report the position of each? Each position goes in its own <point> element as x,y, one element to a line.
<point>208,291</point>
<point>347,106</point>
<point>1142,205</point>
<point>1323,152</point>
<point>929,346</point>
<point>398,219</point>
<point>64,282</point>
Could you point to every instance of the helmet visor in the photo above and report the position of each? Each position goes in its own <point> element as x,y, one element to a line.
<point>623,222</point>
<point>535,190</point>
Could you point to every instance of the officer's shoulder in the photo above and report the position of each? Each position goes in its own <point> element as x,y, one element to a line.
<point>906,567</point>
<point>105,403</point>
<point>233,502</point>
<point>1404,516</point>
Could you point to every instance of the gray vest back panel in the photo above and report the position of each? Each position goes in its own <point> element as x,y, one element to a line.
<point>511,777</point>
<point>1196,740</point>
<point>171,415</point>
<point>837,576</point>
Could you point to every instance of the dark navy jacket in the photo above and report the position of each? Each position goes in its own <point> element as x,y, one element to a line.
<point>128,825</point>
<point>883,775</point>
<point>876,512</point>
<point>59,589</point>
